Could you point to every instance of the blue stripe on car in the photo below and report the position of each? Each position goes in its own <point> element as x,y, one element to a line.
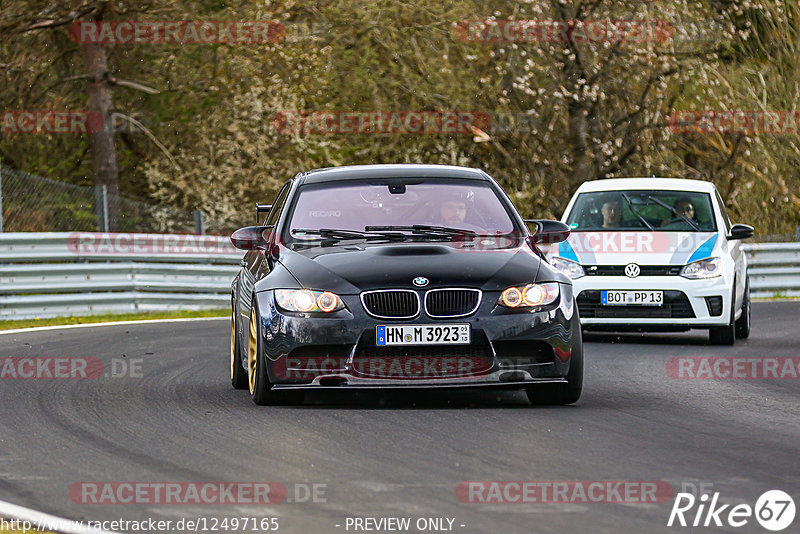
<point>566,251</point>
<point>704,250</point>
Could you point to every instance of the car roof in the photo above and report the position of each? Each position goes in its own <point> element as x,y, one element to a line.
<point>670,184</point>
<point>405,170</point>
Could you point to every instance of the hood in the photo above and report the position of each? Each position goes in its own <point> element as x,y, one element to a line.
<point>644,248</point>
<point>350,269</point>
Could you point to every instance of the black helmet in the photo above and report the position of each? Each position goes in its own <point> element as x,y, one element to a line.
<point>467,196</point>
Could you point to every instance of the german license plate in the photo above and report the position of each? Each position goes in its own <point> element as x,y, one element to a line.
<point>423,334</point>
<point>635,298</point>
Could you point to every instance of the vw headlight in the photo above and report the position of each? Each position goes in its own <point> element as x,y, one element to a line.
<point>305,300</point>
<point>707,268</point>
<point>570,268</point>
<point>529,296</point>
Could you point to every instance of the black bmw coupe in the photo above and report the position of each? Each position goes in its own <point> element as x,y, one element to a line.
<point>401,276</point>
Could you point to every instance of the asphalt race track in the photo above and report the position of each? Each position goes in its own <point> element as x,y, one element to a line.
<point>398,455</point>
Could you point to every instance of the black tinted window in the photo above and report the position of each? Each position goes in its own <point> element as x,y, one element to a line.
<point>277,207</point>
<point>637,210</point>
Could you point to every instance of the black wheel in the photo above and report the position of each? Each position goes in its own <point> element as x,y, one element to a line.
<point>559,394</point>
<point>238,374</point>
<point>743,323</point>
<point>261,391</point>
<point>725,335</point>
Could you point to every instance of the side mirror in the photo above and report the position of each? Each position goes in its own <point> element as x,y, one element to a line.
<point>548,231</point>
<point>741,231</point>
<point>251,237</point>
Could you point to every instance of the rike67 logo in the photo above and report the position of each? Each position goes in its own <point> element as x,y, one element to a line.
<point>774,510</point>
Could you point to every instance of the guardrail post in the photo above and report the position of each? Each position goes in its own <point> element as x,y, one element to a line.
<point>1,227</point>
<point>101,201</point>
<point>199,222</point>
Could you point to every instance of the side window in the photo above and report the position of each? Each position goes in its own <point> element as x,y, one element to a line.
<point>724,212</point>
<point>277,207</point>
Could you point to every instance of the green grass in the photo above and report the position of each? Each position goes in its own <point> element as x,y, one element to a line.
<point>776,297</point>
<point>58,321</point>
<point>20,530</point>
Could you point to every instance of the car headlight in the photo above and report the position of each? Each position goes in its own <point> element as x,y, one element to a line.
<point>570,268</point>
<point>529,296</point>
<point>305,300</point>
<point>707,268</point>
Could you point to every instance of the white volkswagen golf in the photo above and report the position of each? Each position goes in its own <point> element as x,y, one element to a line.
<point>656,254</point>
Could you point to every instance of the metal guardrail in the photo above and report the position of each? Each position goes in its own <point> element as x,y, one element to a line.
<point>774,269</point>
<point>52,274</point>
<point>84,273</point>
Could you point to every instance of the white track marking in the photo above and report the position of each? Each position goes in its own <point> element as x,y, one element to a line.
<point>110,323</point>
<point>43,520</point>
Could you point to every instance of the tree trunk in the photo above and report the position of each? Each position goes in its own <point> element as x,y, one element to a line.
<point>583,168</point>
<point>103,149</point>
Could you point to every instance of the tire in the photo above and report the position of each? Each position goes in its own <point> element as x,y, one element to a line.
<point>725,335</point>
<point>743,323</point>
<point>238,374</point>
<point>258,383</point>
<point>560,394</point>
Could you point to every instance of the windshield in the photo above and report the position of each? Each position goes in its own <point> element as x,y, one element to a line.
<point>358,206</point>
<point>637,210</point>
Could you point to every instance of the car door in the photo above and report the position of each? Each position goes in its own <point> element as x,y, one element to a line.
<point>255,267</point>
<point>734,248</point>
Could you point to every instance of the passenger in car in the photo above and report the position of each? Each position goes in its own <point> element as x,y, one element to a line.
<point>685,207</point>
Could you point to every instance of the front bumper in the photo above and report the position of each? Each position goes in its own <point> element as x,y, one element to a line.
<point>695,311</point>
<point>339,351</point>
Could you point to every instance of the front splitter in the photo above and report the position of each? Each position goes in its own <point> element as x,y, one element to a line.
<point>492,380</point>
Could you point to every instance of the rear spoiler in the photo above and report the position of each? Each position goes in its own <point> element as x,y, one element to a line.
<point>262,208</point>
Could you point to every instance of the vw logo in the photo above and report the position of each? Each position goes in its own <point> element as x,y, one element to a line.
<point>632,270</point>
<point>420,281</point>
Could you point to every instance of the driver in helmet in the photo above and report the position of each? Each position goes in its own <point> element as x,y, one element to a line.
<point>454,207</point>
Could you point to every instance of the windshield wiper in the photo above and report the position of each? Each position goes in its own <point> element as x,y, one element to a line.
<point>423,230</point>
<point>636,212</point>
<point>333,233</point>
<point>676,212</point>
